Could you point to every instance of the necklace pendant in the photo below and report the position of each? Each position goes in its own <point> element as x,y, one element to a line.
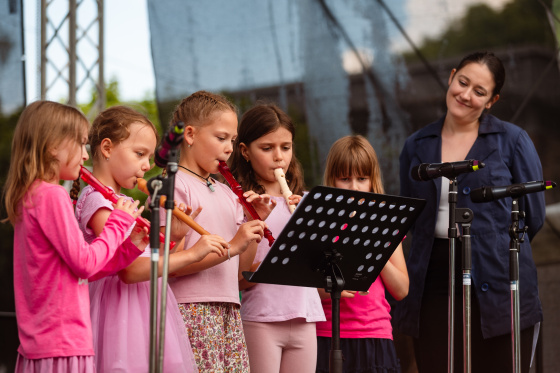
<point>210,186</point>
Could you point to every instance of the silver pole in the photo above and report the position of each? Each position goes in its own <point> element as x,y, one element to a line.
<point>451,307</point>
<point>467,287</point>
<point>164,277</point>
<point>452,234</point>
<point>514,285</point>
<point>154,264</point>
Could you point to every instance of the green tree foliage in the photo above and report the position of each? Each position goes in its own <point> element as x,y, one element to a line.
<point>520,22</point>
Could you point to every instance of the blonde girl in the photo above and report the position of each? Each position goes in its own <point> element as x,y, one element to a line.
<point>207,291</point>
<point>52,261</point>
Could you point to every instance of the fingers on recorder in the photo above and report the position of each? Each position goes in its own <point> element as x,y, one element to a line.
<point>209,244</point>
<point>247,233</point>
<point>128,206</point>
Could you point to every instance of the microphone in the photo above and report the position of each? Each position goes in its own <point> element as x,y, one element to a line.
<point>428,171</point>
<point>491,193</point>
<point>171,140</point>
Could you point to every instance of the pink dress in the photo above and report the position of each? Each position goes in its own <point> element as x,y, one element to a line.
<point>120,314</point>
<point>52,263</point>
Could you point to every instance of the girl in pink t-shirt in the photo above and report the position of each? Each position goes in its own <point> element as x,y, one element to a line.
<point>365,324</point>
<point>279,321</point>
<point>52,261</point>
<point>122,143</point>
<point>208,292</point>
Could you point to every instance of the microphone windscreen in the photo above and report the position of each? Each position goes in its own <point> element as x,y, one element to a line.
<point>414,173</point>
<point>480,195</point>
<point>420,173</point>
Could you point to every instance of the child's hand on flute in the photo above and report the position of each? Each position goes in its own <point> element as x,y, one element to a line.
<point>285,189</point>
<point>178,227</point>
<point>262,204</point>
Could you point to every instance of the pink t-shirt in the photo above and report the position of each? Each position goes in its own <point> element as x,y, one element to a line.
<point>271,303</point>
<point>52,263</point>
<point>364,316</point>
<point>88,204</point>
<point>221,214</point>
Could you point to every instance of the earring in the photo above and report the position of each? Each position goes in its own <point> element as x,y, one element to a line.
<point>188,145</point>
<point>107,158</point>
<point>247,160</point>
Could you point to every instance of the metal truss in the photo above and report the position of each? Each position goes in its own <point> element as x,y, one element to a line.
<point>72,27</point>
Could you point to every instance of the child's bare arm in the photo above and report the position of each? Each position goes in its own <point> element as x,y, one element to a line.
<point>139,270</point>
<point>395,275</point>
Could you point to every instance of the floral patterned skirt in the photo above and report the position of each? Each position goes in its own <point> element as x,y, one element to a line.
<point>216,334</point>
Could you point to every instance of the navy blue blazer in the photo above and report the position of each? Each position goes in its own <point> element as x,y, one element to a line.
<point>510,157</point>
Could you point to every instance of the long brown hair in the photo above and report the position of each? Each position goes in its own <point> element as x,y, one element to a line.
<point>353,155</point>
<point>258,121</point>
<point>42,126</point>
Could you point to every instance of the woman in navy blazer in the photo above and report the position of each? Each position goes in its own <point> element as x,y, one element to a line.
<point>466,132</point>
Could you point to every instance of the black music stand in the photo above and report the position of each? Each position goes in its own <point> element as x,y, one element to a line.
<point>337,239</point>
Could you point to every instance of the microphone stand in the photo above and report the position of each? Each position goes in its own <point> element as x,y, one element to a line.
<point>514,248</point>
<point>155,185</point>
<point>463,216</point>
<point>167,186</point>
<point>452,234</point>
<point>334,284</point>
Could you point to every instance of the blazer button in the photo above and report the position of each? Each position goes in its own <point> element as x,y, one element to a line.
<point>466,190</point>
<point>484,287</point>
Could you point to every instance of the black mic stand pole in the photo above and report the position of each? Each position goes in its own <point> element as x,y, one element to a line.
<point>467,217</point>
<point>452,234</point>
<point>463,216</point>
<point>334,284</point>
<point>156,185</point>
<point>514,247</point>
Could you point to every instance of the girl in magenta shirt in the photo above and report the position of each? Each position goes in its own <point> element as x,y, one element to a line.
<point>366,336</point>
<point>279,321</point>
<point>52,261</point>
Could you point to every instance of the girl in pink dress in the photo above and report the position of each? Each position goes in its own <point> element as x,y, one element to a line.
<point>279,321</point>
<point>366,335</point>
<point>122,142</point>
<point>52,261</point>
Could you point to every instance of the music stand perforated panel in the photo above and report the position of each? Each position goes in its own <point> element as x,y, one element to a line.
<point>365,228</point>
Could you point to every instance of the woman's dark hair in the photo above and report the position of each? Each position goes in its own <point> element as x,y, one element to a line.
<point>258,121</point>
<point>493,63</point>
